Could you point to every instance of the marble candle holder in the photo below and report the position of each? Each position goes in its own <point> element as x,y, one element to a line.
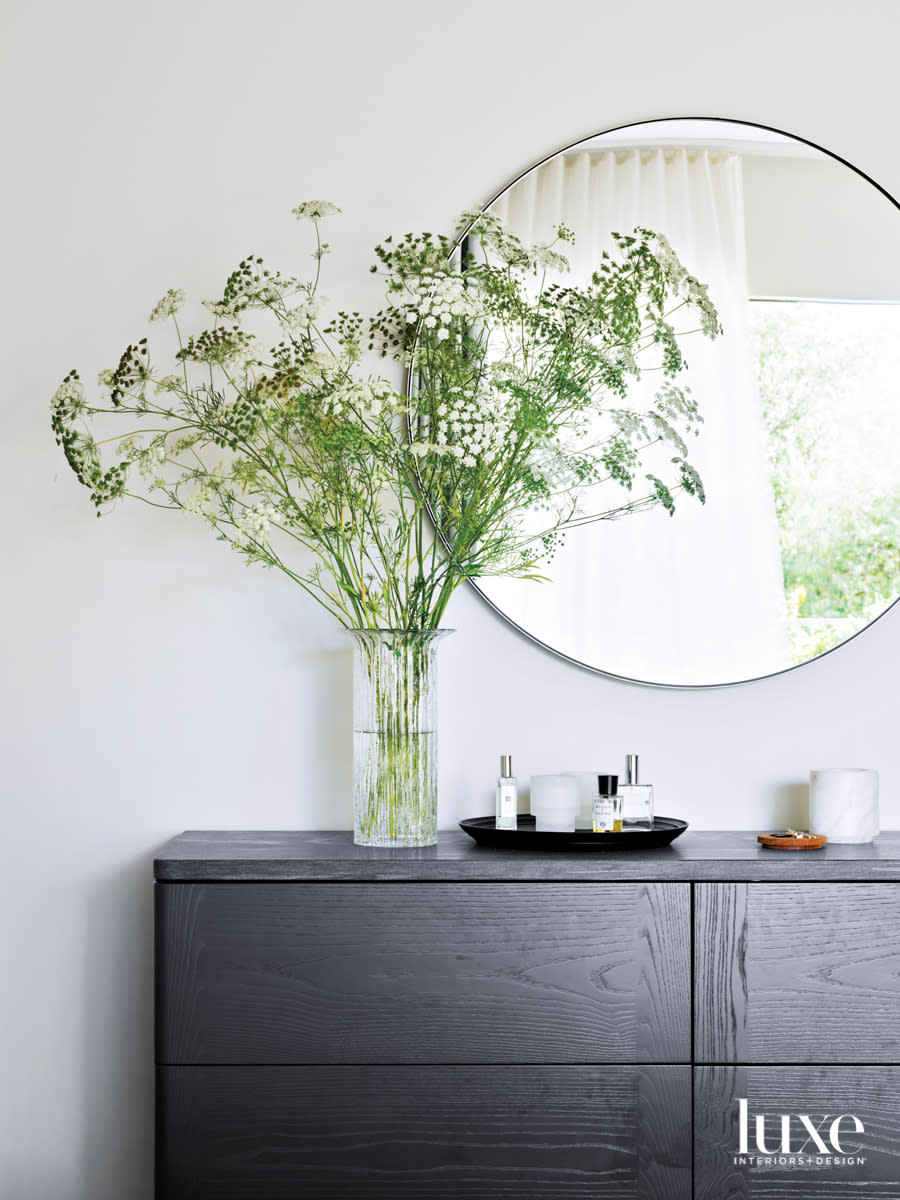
<point>554,802</point>
<point>843,804</point>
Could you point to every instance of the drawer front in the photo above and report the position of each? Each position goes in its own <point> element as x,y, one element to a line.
<point>424,1133</point>
<point>729,1163</point>
<point>797,972</point>
<point>360,973</point>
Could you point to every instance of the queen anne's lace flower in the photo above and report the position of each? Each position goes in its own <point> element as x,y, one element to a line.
<point>314,210</point>
<point>243,354</point>
<point>197,503</point>
<point>698,293</point>
<point>302,315</point>
<point>550,259</point>
<point>256,521</point>
<point>475,425</point>
<point>354,398</point>
<point>151,459</point>
<point>437,299</point>
<point>68,399</point>
<point>171,302</point>
<point>221,309</point>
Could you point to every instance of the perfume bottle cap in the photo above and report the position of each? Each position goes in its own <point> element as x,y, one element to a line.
<point>631,768</point>
<point>607,785</point>
<point>506,765</point>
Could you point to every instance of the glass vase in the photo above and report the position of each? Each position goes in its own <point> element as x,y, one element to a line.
<point>395,736</point>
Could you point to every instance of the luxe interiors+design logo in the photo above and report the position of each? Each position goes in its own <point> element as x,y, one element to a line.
<point>797,1140</point>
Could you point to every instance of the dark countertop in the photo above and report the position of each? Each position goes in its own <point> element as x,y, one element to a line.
<point>199,856</point>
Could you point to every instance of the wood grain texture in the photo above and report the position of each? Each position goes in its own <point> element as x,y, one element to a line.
<point>424,1133</point>
<point>720,980</point>
<point>362,973</point>
<point>797,973</point>
<point>867,1092</point>
<point>330,855</point>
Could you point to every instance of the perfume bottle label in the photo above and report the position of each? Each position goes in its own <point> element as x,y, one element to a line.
<point>507,805</point>
<point>604,814</point>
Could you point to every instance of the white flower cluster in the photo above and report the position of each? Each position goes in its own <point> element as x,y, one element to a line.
<point>627,360</point>
<point>691,288</point>
<point>435,299</point>
<point>472,428</point>
<point>68,399</point>
<point>314,210</point>
<point>171,302</point>
<point>241,355</point>
<point>669,261</point>
<point>548,258</point>
<point>151,459</point>
<point>185,443</point>
<point>221,309</point>
<point>302,315</point>
<point>255,522</point>
<point>420,449</point>
<point>317,366</point>
<point>631,424</point>
<point>357,397</point>
<point>170,383</point>
<point>503,372</point>
<point>697,294</point>
<point>197,503</point>
<point>552,462</point>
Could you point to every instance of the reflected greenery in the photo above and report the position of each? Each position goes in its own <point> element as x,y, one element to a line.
<point>827,380</point>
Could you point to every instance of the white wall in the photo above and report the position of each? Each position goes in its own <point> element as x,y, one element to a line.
<point>153,684</point>
<point>815,229</point>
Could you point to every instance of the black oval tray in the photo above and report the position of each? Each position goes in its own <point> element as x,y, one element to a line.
<point>526,837</point>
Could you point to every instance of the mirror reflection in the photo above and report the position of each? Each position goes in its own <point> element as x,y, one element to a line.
<point>796,546</point>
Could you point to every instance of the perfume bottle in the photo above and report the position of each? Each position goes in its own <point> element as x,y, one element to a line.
<point>607,805</point>
<point>507,795</point>
<point>637,798</point>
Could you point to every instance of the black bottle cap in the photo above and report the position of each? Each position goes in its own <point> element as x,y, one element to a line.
<point>608,785</point>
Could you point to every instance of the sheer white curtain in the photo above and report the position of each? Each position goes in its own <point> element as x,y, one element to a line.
<point>698,597</point>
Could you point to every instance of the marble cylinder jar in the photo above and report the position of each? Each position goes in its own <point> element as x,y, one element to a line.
<point>843,804</point>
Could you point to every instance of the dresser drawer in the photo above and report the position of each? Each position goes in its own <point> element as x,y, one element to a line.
<point>423,972</point>
<point>797,972</point>
<point>844,1162</point>
<point>424,1133</point>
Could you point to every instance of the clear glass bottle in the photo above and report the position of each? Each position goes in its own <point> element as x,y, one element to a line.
<point>507,795</point>
<point>607,805</point>
<point>637,798</point>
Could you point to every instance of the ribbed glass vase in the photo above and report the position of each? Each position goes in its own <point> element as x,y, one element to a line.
<point>395,736</point>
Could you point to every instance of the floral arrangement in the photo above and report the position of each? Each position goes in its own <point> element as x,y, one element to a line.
<point>517,406</point>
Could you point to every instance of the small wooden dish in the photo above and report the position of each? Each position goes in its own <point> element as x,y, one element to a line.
<point>789,841</point>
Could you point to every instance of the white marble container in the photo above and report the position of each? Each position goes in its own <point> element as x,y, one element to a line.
<point>843,804</point>
<point>554,802</point>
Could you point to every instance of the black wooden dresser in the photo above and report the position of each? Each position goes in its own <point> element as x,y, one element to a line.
<point>456,1023</point>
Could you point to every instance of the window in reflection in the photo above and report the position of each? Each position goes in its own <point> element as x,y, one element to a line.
<point>829,381</point>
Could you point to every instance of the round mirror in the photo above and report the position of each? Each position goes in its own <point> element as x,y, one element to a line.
<point>796,546</point>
